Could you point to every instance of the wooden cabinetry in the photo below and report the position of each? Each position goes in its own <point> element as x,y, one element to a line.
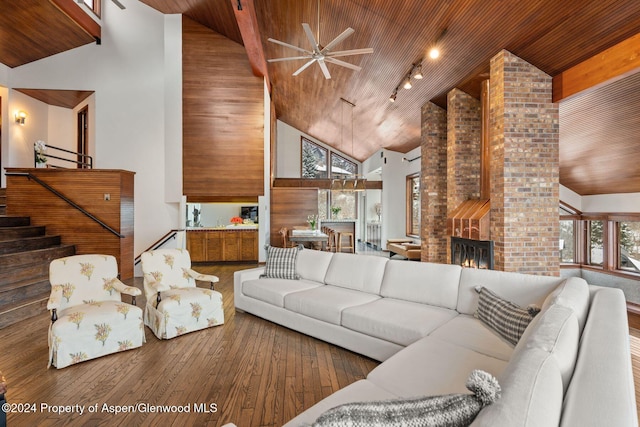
<point>222,245</point>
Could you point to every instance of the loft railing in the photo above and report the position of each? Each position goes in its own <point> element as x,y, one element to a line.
<point>84,161</point>
<point>66,199</point>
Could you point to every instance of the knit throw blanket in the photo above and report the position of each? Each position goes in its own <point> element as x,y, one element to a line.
<point>453,410</point>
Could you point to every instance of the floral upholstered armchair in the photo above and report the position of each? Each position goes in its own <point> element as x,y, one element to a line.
<point>88,317</point>
<point>175,305</point>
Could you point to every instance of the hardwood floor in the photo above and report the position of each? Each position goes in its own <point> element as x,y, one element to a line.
<point>247,371</point>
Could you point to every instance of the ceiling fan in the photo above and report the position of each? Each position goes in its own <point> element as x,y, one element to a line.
<point>322,54</point>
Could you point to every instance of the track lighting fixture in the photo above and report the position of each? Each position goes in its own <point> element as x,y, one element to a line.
<point>415,72</point>
<point>407,83</point>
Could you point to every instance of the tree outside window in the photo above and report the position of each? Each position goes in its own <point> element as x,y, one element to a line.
<point>567,241</point>
<point>596,247</point>
<point>314,160</point>
<point>629,240</point>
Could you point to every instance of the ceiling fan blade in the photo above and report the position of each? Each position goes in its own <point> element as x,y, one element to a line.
<point>342,63</point>
<point>350,52</point>
<point>324,69</point>
<point>312,39</point>
<point>304,67</point>
<point>346,33</point>
<point>290,46</point>
<point>291,58</point>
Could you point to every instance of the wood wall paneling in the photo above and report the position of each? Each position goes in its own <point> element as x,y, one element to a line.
<point>87,188</point>
<point>223,118</point>
<point>290,207</point>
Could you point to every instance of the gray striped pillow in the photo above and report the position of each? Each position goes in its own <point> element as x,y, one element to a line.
<point>281,263</point>
<point>506,318</point>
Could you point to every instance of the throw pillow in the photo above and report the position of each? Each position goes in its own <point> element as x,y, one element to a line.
<point>451,410</point>
<point>281,263</point>
<point>506,318</point>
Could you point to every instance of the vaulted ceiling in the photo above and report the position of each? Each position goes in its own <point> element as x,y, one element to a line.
<point>552,35</point>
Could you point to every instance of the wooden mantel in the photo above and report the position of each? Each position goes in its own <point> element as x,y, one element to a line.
<point>105,194</point>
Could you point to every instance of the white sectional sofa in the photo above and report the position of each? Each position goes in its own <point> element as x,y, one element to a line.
<point>571,367</point>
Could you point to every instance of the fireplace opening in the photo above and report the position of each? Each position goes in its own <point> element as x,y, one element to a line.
<point>472,253</point>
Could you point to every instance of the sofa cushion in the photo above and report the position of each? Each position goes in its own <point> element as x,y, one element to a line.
<point>531,393</point>
<point>398,321</point>
<point>359,272</point>
<point>452,410</point>
<point>362,390</point>
<point>273,291</point>
<point>424,282</point>
<point>521,289</point>
<point>504,317</point>
<point>572,293</point>
<point>426,368</point>
<point>312,264</point>
<point>281,263</point>
<point>327,302</point>
<point>469,332</point>
<point>556,331</point>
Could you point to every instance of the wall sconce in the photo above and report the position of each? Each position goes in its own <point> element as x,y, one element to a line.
<point>20,117</point>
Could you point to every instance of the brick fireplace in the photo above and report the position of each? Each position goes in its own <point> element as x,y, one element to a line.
<point>472,253</point>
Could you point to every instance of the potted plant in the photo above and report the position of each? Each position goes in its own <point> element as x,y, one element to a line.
<point>39,147</point>
<point>335,210</point>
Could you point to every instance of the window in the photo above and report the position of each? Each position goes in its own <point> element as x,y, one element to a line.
<point>345,200</point>
<point>596,242</point>
<point>94,5</point>
<point>567,241</point>
<point>342,168</point>
<point>314,160</point>
<point>413,205</point>
<point>629,246</point>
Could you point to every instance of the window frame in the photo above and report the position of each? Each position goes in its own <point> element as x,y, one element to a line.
<point>96,8</point>
<point>409,180</point>
<point>333,154</point>
<point>304,140</point>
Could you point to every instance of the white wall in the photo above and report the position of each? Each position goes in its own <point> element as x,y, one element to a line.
<point>624,202</point>
<point>136,76</point>
<point>22,137</point>
<point>288,151</point>
<point>394,174</point>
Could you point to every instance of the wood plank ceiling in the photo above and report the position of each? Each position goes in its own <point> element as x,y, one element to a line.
<point>550,34</point>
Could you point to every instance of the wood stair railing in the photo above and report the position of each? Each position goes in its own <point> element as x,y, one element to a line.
<point>25,254</point>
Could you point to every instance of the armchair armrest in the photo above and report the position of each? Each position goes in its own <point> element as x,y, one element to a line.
<point>202,277</point>
<point>55,297</point>
<point>124,289</point>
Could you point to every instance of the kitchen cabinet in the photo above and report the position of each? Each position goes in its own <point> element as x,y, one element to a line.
<point>207,245</point>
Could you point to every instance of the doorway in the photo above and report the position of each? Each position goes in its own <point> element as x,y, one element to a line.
<point>83,137</point>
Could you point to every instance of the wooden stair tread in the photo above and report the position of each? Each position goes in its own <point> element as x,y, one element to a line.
<point>14,221</point>
<point>24,309</point>
<point>28,243</point>
<point>21,231</point>
<point>17,259</point>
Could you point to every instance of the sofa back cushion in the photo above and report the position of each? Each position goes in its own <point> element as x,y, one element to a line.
<point>422,282</point>
<point>574,294</point>
<point>359,272</point>
<point>313,265</point>
<point>531,393</point>
<point>557,332</point>
<point>521,289</point>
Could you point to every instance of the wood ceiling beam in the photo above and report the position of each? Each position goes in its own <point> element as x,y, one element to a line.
<point>80,17</point>
<point>613,64</point>
<point>245,13</point>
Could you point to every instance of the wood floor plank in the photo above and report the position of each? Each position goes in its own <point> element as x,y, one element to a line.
<point>255,372</point>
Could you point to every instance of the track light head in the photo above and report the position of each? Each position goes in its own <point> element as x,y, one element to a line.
<point>418,73</point>
<point>407,83</point>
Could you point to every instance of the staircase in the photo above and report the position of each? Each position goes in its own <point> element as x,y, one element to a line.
<point>25,254</point>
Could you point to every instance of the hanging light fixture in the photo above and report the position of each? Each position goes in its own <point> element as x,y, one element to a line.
<point>361,185</point>
<point>336,185</point>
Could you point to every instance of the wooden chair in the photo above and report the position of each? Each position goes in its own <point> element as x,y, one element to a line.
<point>331,241</point>
<point>351,242</point>
<point>284,232</point>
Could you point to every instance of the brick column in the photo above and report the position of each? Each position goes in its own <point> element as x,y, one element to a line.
<point>463,148</point>
<point>524,168</point>
<point>433,184</point>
